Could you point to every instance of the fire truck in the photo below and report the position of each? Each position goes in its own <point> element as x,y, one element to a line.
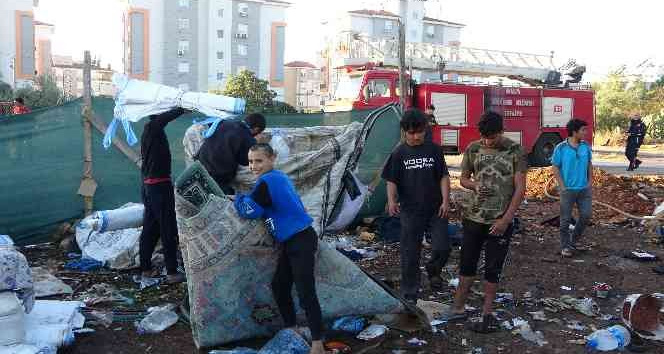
<point>535,116</point>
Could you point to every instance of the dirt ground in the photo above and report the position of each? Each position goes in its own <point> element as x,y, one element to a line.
<point>534,267</point>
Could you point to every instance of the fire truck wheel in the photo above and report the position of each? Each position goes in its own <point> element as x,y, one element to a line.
<point>543,149</point>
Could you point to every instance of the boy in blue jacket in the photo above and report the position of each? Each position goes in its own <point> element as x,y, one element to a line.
<point>274,198</point>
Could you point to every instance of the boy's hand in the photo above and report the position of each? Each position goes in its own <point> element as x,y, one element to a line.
<point>499,227</point>
<point>444,209</point>
<point>393,208</point>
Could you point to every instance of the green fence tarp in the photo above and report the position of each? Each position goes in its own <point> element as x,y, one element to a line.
<point>41,171</point>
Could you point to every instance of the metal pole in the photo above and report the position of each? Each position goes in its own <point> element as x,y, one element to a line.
<point>88,184</point>
<point>403,85</point>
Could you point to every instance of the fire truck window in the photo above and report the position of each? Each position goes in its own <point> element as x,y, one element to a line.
<point>377,88</point>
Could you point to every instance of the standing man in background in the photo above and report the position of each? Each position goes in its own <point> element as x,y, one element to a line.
<point>158,197</point>
<point>573,169</point>
<point>635,134</point>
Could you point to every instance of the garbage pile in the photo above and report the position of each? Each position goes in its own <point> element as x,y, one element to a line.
<point>635,195</point>
<point>32,326</point>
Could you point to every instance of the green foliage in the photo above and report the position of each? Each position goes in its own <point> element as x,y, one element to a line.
<point>254,90</point>
<point>279,107</point>
<point>45,93</point>
<point>618,97</point>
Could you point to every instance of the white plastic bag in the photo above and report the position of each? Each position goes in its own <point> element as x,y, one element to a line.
<point>12,319</point>
<point>280,145</point>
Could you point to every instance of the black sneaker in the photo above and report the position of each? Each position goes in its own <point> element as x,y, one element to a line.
<point>637,163</point>
<point>411,299</point>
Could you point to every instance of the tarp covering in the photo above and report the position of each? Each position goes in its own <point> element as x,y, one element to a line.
<point>230,261</point>
<point>42,163</point>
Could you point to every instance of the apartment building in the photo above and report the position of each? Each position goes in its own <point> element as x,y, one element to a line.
<point>17,47</point>
<point>199,44</point>
<point>302,86</point>
<point>68,76</point>
<point>43,50</point>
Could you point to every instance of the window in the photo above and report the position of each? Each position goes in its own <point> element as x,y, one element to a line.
<point>220,33</point>
<point>220,55</point>
<point>183,67</point>
<point>183,23</point>
<point>431,31</point>
<point>184,3</point>
<point>389,25</point>
<point>243,9</point>
<point>183,87</point>
<point>241,68</point>
<point>242,49</point>
<point>242,30</point>
<point>220,76</point>
<point>220,12</point>
<point>183,48</point>
<point>377,88</point>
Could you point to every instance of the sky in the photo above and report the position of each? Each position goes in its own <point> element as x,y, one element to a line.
<point>600,34</point>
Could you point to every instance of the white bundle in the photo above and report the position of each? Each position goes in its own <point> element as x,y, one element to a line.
<point>136,99</point>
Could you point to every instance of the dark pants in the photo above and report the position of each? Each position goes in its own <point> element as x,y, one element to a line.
<point>475,238</point>
<point>413,227</point>
<point>584,201</point>
<point>159,221</point>
<point>296,265</point>
<point>632,150</point>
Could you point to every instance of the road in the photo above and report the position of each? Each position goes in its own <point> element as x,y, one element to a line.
<point>612,162</point>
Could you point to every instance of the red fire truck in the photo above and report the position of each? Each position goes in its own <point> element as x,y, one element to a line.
<point>535,117</point>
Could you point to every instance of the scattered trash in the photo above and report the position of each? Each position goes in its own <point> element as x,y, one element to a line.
<point>158,319</point>
<point>51,324</point>
<point>506,325</point>
<point>367,236</point>
<point>103,292</point>
<point>566,288</point>
<point>538,315</point>
<point>644,315</point>
<point>12,319</point>
<point>417,342</point>
<point>240,350</point>
<point>350,324</point>
<point>601,290</point>
<point>336,347</point>
<point>454,283</point>
<point>46,284</point>
<point>84,265</point>
<point>372,332</point>
<point>576,326</point>
<point>504,297</point>
<point>84,331</point>
<point>146,282</point>
<point>432,309</point>
<point>577,341</point>
<point>528,334</point>
<point>641,256</point>
<point>104,318</point>
<point>15,275</point>
<point>286,341</point>
<point>612,338</point>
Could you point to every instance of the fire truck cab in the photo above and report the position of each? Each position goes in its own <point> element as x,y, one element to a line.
<point>535,117</point>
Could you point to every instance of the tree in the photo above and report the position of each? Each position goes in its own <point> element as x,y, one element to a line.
<point>45,93</point>
<point>254,90</point>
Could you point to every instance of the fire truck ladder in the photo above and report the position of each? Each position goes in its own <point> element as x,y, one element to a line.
<point>535,69</point>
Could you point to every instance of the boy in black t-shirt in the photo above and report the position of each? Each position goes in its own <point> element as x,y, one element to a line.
<point>418,189</point>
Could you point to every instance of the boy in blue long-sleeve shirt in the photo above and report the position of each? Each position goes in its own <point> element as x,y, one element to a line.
<point>274,199</point>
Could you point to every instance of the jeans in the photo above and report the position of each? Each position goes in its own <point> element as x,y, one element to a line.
<point>583,200</point>
<point>413,227</point>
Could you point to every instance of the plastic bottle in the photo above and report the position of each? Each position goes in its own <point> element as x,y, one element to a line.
<point>158,319</point>
<point>280,145</point>
<point>612,338</point>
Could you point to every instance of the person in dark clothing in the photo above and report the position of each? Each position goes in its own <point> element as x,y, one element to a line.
<point>635,134</point>
<point>431,121</point>
<point>274,198</point>
<point>158,197</point>
<point>418,189</point>
<point>228,147</point>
